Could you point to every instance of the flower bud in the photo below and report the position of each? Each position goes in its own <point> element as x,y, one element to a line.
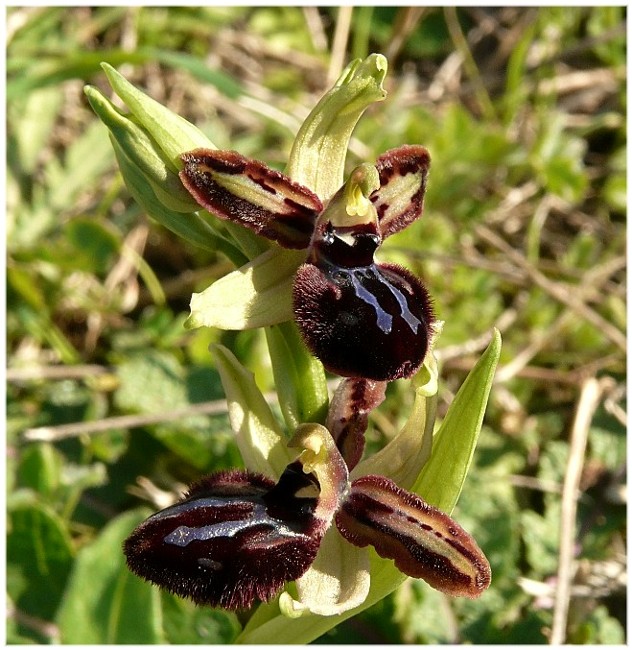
<point>171,133</point>
<point>142,152</point>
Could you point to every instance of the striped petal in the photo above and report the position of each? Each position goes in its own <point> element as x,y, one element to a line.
<point>251,194</point>
<point>400,199</point>
<point>348,415</point>
<point>423,541</point>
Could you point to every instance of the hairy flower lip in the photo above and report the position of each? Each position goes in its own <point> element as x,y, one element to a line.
<point>364,325</point>
<point>230,529</point>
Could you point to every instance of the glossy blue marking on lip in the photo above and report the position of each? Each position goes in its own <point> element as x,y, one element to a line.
<point>384,319</point>
<point>184,535</point>
<point>200,502</point>
<point>412,321</point>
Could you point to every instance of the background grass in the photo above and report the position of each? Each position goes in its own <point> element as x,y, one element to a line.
<point>523,113</point>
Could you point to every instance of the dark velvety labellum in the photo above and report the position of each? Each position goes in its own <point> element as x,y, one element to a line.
<point>348,415</point>
<point>248,192</point>
<point>423,541</point>
<point>403,175</point>
<point>370,321</point>
<point>234,538</point>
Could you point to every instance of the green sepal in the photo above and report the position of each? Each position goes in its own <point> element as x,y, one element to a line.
<point>260,439</point>
<point>256,295</point>
<point>142,151</point>
<point>317,159</point>
<point>172,133</point>
<point>337,581</point>
<point>298,376</point>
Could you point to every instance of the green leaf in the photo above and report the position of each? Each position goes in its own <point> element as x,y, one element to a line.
<point>225,83</point>
<point>105,603</point>
<point>442,478</point>
<point>40,469</point>
<point>39,557</point>
<point>155,382</point>
<point>85,162</point>
<point>34,120</point>
<point>598,627</point>
<point>94,244</point>
<point>419,612</point>
<point>184,622</point>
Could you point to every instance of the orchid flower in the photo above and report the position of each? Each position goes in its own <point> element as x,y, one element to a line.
<point>359,317</point>
<point>238,536</point>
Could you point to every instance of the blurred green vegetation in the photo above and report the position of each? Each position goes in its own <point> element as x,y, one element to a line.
<point>523,112</point>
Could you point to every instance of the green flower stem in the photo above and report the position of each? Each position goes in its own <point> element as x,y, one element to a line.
<point>299,377</point>
<point>440,483</point>
<point>317,159</point>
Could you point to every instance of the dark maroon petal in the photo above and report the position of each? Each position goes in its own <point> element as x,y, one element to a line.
<point>235,537</point>
<point>371,321</point>
<point>250,193</point>
<point>400,199</point>
<point>348,415</point>
<point>424,542</point>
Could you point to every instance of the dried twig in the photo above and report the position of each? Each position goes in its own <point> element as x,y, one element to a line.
<point>564,294</point>
<point>74,429</point>
<point>587,404</point>
<point>58,373</point>
<point>339,45</point>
